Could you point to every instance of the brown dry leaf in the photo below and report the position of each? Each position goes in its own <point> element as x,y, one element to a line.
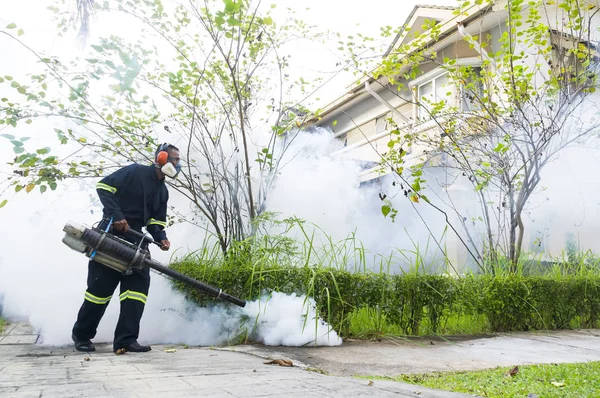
<point>120,351</point>
<point>370,383</point>
<point>280,362</point>
<point>86,358</point>
<point>558,384</point>
<point>171,350</point>
<point>513,372</point>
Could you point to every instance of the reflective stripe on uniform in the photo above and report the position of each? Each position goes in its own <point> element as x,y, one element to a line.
<point>106,187</point>
<point>130,294</point>
<point>95,299</point>
<point>154,221</point>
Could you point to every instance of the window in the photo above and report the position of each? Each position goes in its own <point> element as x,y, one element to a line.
<point>467,97</point>
<point>573,63</point>
<point>472,92</point>
<point>380,124</point>
<point>434,91</point>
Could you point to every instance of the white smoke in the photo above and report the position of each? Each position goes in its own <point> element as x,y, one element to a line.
<point>275,319</point>
<point>323,188</point>
<point>42,281</point>
<point>281,317</point>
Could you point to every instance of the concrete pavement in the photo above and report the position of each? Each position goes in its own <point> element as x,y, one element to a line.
<point>29,370</point>
<point>393,356</point>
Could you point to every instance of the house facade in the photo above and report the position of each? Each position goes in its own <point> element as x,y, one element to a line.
<point>365,115</point>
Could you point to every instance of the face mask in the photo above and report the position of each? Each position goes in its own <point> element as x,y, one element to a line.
<point>170,170</point>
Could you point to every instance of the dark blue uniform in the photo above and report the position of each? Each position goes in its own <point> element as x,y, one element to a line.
<point>136,194</point>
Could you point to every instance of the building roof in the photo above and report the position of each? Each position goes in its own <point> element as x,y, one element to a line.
<point>406,23</point>
<point>449,25</point>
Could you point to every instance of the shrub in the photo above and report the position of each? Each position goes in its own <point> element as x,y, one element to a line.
<point>413,303</point>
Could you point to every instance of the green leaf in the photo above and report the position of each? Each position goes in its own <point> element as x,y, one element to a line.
<point>385,210</point>
<point>11,26</point>
<point>20,32</point>
<point>334,123</point>
<point>18,188</point>
<point>3,203</point>
<point>43,151</point>
<point>18,149</point>
<point>130,76</point>
<point>229,6</point>
<point>50,160</point>
<point>416,186</point>
<point>52,186</point>
<point>43,188</point>
<point>10,137</point>
<point>268,21</point>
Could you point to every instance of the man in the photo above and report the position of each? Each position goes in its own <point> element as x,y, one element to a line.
<point>133,197</point>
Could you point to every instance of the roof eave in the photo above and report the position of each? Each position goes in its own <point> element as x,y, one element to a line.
<point>354,89</point>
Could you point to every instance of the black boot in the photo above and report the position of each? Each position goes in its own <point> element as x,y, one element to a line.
<point>135,347</point>
<point>83,345</point>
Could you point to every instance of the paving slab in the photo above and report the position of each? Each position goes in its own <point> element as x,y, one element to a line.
<point>30,370</point>
<point>61,372</point>
<point>18,333</point>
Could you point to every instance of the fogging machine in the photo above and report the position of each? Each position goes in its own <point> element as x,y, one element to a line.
<point>126,257</point>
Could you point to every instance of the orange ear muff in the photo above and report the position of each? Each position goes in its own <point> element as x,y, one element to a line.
<point>162,158</point>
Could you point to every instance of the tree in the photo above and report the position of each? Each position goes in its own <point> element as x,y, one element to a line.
<point>499,124</point>
<point>213,77</point>
<point>84,10</point>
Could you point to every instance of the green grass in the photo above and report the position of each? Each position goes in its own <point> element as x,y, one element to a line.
<point>3,324</point>
<point>554,380</point>
<point>368,323</point>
